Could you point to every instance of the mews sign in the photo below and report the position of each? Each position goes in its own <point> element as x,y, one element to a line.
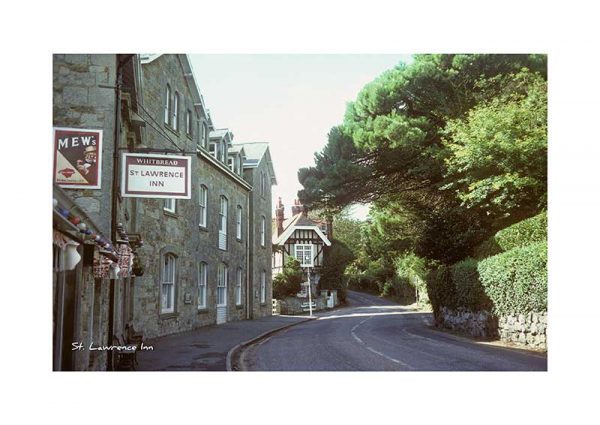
<point>156,176</point>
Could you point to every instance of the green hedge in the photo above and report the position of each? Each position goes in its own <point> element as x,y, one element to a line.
<point>441,289</point>
<point>469,292</point>
<point>523,233</point>
<point>516,281</point>
<point>486,249</point>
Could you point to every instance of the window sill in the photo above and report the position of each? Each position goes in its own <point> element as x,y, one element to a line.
<point>238,239</point>
<point>202,228</point>
<point>170,214</point>
<point>239,307</point>
<point>167,316</point>
<point>172,130</point>
<point>203,310</point>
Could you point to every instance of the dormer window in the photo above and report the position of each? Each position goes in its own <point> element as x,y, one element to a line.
<point>212,149</point>
<point>231,163</point>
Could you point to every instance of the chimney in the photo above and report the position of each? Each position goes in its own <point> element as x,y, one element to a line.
<point>297,208</point>
<point>279,217</point>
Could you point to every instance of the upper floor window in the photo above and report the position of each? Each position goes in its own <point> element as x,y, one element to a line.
<point>168,104</point>
<point>212,149</point>
<point>188,123</point>
<point>175,119</point>
<point>170,205</point>
<point>263,184</point>
<point>223,223</point>
<point>204,140</point>
<point>263,229</point>
<point>203,202</point>
<point>230,163</point>
<point>202,283</point>
<point>167,300</point>
<point>304,254</point>
<point>238,223</point>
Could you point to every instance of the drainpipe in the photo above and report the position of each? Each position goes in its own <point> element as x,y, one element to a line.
<point>248,255</point>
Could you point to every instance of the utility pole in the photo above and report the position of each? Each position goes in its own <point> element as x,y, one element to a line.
<point>309,288</point>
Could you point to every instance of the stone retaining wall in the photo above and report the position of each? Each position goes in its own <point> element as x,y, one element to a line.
<point>524,329</point>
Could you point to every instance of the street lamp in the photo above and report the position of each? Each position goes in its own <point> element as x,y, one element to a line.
<point>307,261</point>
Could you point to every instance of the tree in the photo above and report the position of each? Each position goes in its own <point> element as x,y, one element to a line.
<point>288,282</point>
<point>336,259</point>
<point>498,155</point>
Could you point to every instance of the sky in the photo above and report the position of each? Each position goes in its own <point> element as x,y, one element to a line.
<point>288,101</point>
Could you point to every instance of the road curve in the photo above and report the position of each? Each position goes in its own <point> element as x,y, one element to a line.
<point>373,334</point>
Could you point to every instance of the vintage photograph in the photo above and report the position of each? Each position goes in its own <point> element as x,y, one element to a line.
<point>300,212</point>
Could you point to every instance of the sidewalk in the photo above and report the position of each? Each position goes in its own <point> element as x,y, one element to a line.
<point>206,348</point>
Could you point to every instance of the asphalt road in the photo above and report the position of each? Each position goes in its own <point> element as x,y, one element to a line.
<point>373,334</point>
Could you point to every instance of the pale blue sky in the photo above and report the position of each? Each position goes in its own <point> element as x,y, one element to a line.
<point>289,101</point>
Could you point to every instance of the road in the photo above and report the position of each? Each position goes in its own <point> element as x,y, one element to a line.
<point>373,334</point>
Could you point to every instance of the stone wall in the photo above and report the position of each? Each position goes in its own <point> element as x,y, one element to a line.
<point>528,330</point>
<point>293,305</point>
<point>179,233</point>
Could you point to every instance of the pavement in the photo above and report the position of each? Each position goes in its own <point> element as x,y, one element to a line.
<point>206,348</point>
<point>375,334</point>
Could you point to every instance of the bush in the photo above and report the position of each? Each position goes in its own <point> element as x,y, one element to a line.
<point>288,282</point>
<point>516,281</point>
<point>440,289</point>
<point>469,291</point>
<point>523,233</point>
<point>486,249</point>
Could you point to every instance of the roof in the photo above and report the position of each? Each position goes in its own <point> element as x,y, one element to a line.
<point>299,221</point>
<point>255,152</point>
<point>237,149</point>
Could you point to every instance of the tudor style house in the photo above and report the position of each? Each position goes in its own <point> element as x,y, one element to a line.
<point>302,238</point>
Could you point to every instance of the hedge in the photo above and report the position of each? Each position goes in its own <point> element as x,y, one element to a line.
<point>523,233</point>
<point>441,289</point>
<point>516,281</point>
<point>469,292</point>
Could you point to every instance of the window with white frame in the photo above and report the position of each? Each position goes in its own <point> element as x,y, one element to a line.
<point>262,184</point>
<point>263,287</point>
<point>212,149</point>
<point>238,223</point>
<point>168,104</point>
<point>223,223</point>
<point>167,304</point>
<point>188,123</point>
<point>238,287</point>
<point>169,205</point>
<point>230,161</point>
<point>304,254</point>
<point>222,285</point>
<point>202,283</point>
<point>203,202</point>
<point>263,229</point>
<point>204,135</point>
<point>175,112</point>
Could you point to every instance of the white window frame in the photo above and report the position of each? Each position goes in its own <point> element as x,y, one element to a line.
<point>213,149</point>
<point>223,207</point>
<point>231,163</point>
<point>202,284</point>
<point>238,287</point>
<point>168,105</point>
<point>263,231</point>
<point>170,205</point>
<point>238,222</point>
<point>203,204</point>
<point>188,123</point>
<point>222,277</point>
<point>168,276</point>
<point>175,112</point>
<point>263,287</point>
<point>303,249</point>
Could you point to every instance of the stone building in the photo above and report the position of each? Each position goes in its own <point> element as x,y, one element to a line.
<point>197,261</point>
<point>91,304</point>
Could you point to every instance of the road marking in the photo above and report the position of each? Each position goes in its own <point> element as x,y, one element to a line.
<point>379,353</point>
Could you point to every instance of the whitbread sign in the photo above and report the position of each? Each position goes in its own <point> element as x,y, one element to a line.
<point>156,176</point>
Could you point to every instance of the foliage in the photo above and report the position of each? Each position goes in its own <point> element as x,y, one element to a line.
<point>469,292</point>
<point>288,282</point>
<point>517,280</point>
<point>336,259</point>
<point>534,229</point>
<point>441,289</point>
<point>487,248</point>
<point>498,152</point>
